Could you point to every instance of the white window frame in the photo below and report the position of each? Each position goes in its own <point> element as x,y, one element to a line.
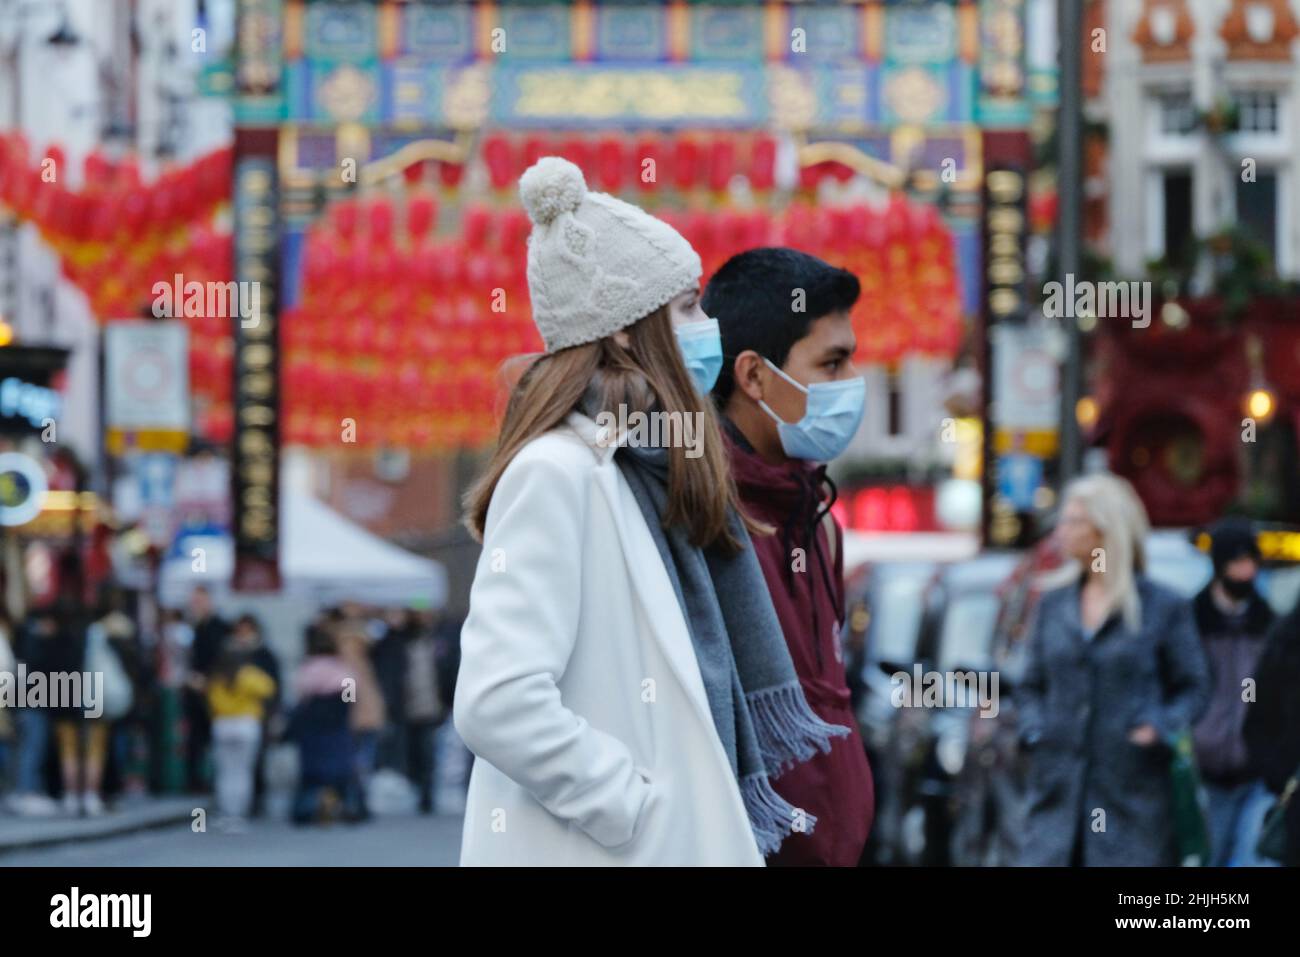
<point>1279,106</point>
<point>1270,147</point>
<point>1159,146</point>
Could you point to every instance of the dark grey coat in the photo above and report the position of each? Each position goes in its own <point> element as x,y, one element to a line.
<point>1077,703</point>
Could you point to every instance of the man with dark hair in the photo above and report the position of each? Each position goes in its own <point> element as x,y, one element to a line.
<point>1233,620</point>
<point>791,400</point>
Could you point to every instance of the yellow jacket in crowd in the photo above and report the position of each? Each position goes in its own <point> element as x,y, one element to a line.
<point>244,697</point>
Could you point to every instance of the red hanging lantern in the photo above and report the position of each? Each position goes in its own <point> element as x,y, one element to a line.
<point>413,175</point>
<point>611,164</point>
<point>579,153</point>
<point>762,165</point>
<point>379,217</point>
<point>686,164</point>
<point>421,215</point>
<point>474,228</point>
<point>842,172</point>
<point>499,157</point>
<point>810,176</point>
<point>97,169</point>
<point>534,149</point>
<point>758,227</point>
<point>450,174</point>
<point>128,173</point>
<point>722,164</point>
<point>345,215</point>
<point>164,206</point>
<point>513,233</point>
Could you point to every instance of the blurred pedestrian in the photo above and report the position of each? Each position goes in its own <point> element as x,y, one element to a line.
<point>423,709</point>
<point>319,726</point>
<point>388,656</point>
<point>248,636</point>
<point>210,632</point>
<point>238,693</point>
<point>116,651</point>
<point>1272,729</point>
<point>172,665</point>
<point>35,652</point>
<point>1114,670</point>
<point>1232,619</point>
<point>366,716</point>
<point>791,401</point>
<point>81,648</point>
<point>617,601</point>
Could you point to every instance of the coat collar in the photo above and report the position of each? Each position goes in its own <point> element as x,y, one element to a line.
<point>1073,611</point>
<point>599,439</point>
<point>1212,622</point>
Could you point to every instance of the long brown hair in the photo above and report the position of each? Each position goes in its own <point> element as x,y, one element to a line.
<point>646,375</point>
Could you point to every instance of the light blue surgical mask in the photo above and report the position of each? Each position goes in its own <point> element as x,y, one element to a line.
<point>830,419</point>
<point>701,345</point>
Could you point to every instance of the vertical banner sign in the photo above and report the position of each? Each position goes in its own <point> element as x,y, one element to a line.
<point>1005,236</point>
<point>255,455</point>
<point>255,452</point>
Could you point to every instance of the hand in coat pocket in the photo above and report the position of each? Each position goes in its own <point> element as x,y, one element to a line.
<point>651,797</point>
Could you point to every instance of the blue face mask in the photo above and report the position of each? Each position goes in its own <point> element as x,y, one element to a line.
<point>701,345</point>
<point>830,419</point>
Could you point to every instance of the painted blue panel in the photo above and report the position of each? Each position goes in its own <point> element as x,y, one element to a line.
<point>631,34</point>
<point>444,33</point>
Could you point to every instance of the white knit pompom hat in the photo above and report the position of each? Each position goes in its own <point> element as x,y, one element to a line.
<point>595,263</point>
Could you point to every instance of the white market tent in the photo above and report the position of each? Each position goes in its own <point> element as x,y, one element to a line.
<point>324,559</point>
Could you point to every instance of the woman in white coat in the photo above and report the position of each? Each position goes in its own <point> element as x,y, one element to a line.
<point>624,683</point>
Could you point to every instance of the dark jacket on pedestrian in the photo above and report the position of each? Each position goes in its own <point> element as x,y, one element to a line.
<point>1272,729</point>
<point>209,637</point>
<point>318,723</point>
<point>1077,703</point>
<point>264,658</point>
<point>1232,646</point>
<point>807,589</point>
<point>66,654</point>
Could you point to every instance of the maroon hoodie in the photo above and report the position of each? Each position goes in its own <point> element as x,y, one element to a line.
<point>836,787</point>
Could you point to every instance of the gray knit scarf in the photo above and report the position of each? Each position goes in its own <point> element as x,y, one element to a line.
<point>758,707</point>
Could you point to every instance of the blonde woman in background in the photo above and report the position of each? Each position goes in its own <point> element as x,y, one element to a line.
<point>1114,669</point>
<point>367,713</point>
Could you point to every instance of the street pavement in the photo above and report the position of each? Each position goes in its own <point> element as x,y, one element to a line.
<point>408,840</point>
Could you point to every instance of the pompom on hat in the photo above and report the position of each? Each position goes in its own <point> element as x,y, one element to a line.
<point>595,263</point>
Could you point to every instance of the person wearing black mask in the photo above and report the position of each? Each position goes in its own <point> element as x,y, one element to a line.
<point>1233,620</point>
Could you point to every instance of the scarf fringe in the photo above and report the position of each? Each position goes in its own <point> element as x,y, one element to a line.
<point>789,731</point>
<point>771,816</point>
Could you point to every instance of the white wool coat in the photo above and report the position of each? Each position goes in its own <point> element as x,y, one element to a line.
<point>579,692</point>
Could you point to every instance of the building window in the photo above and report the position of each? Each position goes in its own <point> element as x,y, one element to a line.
<point>1176,192</point>
<point>1177,115</point>
<point>1257,111</point>
<point>1257,209</point>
